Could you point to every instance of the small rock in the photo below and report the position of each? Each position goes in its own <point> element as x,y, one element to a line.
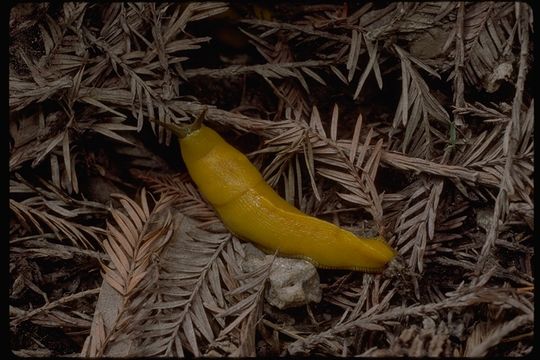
<point>483,218</point>
<point>503,72</point>
<point>293,282</point>
<point>252,252</point>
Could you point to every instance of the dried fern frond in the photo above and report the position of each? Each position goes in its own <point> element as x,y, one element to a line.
<point>24,92</point>
<point>465,296</point>
<point>132,244</point>
<point>139,236</point>
<point>291,96</point>
<point>136,66</point>
<point>487,334</point>
<point>42,315</point>
<point>41,207</point>
<point>416,225</point>
<point>185,196</point>
<point>109,126</point>
<point>487,38</point>
<point>416,107</point>
<point>512,135</point>
<point>372,65</point>
<point>195,275</point>
<point>247,311</point>
<point>58,139</point>
<point>335,164</point>
<point>198,278</point>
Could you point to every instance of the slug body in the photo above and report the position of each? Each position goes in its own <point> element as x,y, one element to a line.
<point>253,211</point>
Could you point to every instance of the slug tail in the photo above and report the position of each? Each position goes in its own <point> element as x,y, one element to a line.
<point>377,270</point>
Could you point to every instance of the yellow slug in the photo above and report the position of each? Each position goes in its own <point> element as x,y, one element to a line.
<point>253,211</point>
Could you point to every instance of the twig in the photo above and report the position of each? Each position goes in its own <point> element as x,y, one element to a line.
<point>282,330</point>
<point>304,29</point>
<point>238,69</point>
<point>459,86</point>
<point>52,305</point>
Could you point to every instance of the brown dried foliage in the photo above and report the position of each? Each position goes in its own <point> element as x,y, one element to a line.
<point>370,111</point>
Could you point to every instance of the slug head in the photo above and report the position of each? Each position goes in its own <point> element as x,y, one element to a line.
<point>183,131</point>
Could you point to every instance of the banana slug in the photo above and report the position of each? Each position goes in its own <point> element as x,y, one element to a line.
<point>253,211</point>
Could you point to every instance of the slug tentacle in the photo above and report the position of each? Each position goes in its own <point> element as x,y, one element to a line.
<point>183,131</point>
